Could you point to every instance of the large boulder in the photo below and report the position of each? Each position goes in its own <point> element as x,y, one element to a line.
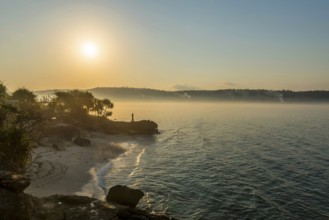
<point>124,195</point>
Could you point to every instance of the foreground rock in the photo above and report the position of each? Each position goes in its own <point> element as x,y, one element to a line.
<point>59,207</point>
<point>123,195</point>
<point>16,205</point>
<point>22,206</point>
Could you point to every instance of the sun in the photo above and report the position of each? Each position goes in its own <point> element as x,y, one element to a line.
<point>89,49</point>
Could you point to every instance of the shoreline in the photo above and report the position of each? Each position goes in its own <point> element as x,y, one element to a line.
<point>59,177</point>
<point>61,167</point>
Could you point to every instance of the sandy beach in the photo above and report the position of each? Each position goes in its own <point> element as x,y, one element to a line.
<point>61,167</point>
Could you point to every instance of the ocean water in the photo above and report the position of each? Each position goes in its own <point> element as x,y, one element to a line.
<point>226,161</point>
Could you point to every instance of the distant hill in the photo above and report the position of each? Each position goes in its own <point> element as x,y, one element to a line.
<point>260,95</point>
<point>134,94</point>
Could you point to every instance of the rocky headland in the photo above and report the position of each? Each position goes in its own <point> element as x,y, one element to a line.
<point>101,124</point>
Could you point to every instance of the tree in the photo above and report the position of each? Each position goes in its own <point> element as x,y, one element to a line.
<point>107,106</point>
<point>3,95</point>
<point>28,107</point>
<point>79,104</point>
<point>103,107</point>
<point>14,139</point>
<point>24,96</point>
<point>3,91</point>
<point>75,102</point>
<point>15,146</point>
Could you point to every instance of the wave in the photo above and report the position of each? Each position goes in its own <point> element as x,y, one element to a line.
<point>137,163</point>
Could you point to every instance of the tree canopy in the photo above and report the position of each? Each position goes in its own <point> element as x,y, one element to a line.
<point>24,95</point>
<point>74,102</point>
<point>14,138</point>
<point>80,103</point>
<point>3,91</point>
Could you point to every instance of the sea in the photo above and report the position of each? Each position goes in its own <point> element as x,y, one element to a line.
<point>225,160</point>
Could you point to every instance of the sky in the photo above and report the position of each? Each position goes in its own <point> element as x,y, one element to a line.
<point>165,44</point>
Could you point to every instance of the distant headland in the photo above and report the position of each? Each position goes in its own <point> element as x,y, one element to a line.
<point>226,95</point>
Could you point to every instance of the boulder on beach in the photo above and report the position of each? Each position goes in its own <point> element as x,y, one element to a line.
<point>82,141</point>
<point>123,195</point>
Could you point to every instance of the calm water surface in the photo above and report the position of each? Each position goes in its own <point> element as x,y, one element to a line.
<point>228,161</point>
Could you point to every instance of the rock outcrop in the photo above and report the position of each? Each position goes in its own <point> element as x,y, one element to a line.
<point>13,182</point>
<point>100,124</point>
<point>14,204</point>
<point>123,195</point>
<point>59,207</point>
<point>144,127</point>
<point>22,206</point>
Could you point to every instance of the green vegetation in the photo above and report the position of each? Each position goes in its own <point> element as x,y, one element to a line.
<point>3,91</point>
<point>15,124</point>
<point>24,96</point>
<point>21,116</point>
<point>79,104</point>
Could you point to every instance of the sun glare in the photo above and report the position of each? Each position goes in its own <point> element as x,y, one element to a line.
<point>89,49</point>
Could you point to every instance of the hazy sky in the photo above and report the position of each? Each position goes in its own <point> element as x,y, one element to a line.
<point>165,44</point>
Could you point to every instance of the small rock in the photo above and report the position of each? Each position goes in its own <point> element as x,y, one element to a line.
<point>82,141</point>
<point>58,147</point>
